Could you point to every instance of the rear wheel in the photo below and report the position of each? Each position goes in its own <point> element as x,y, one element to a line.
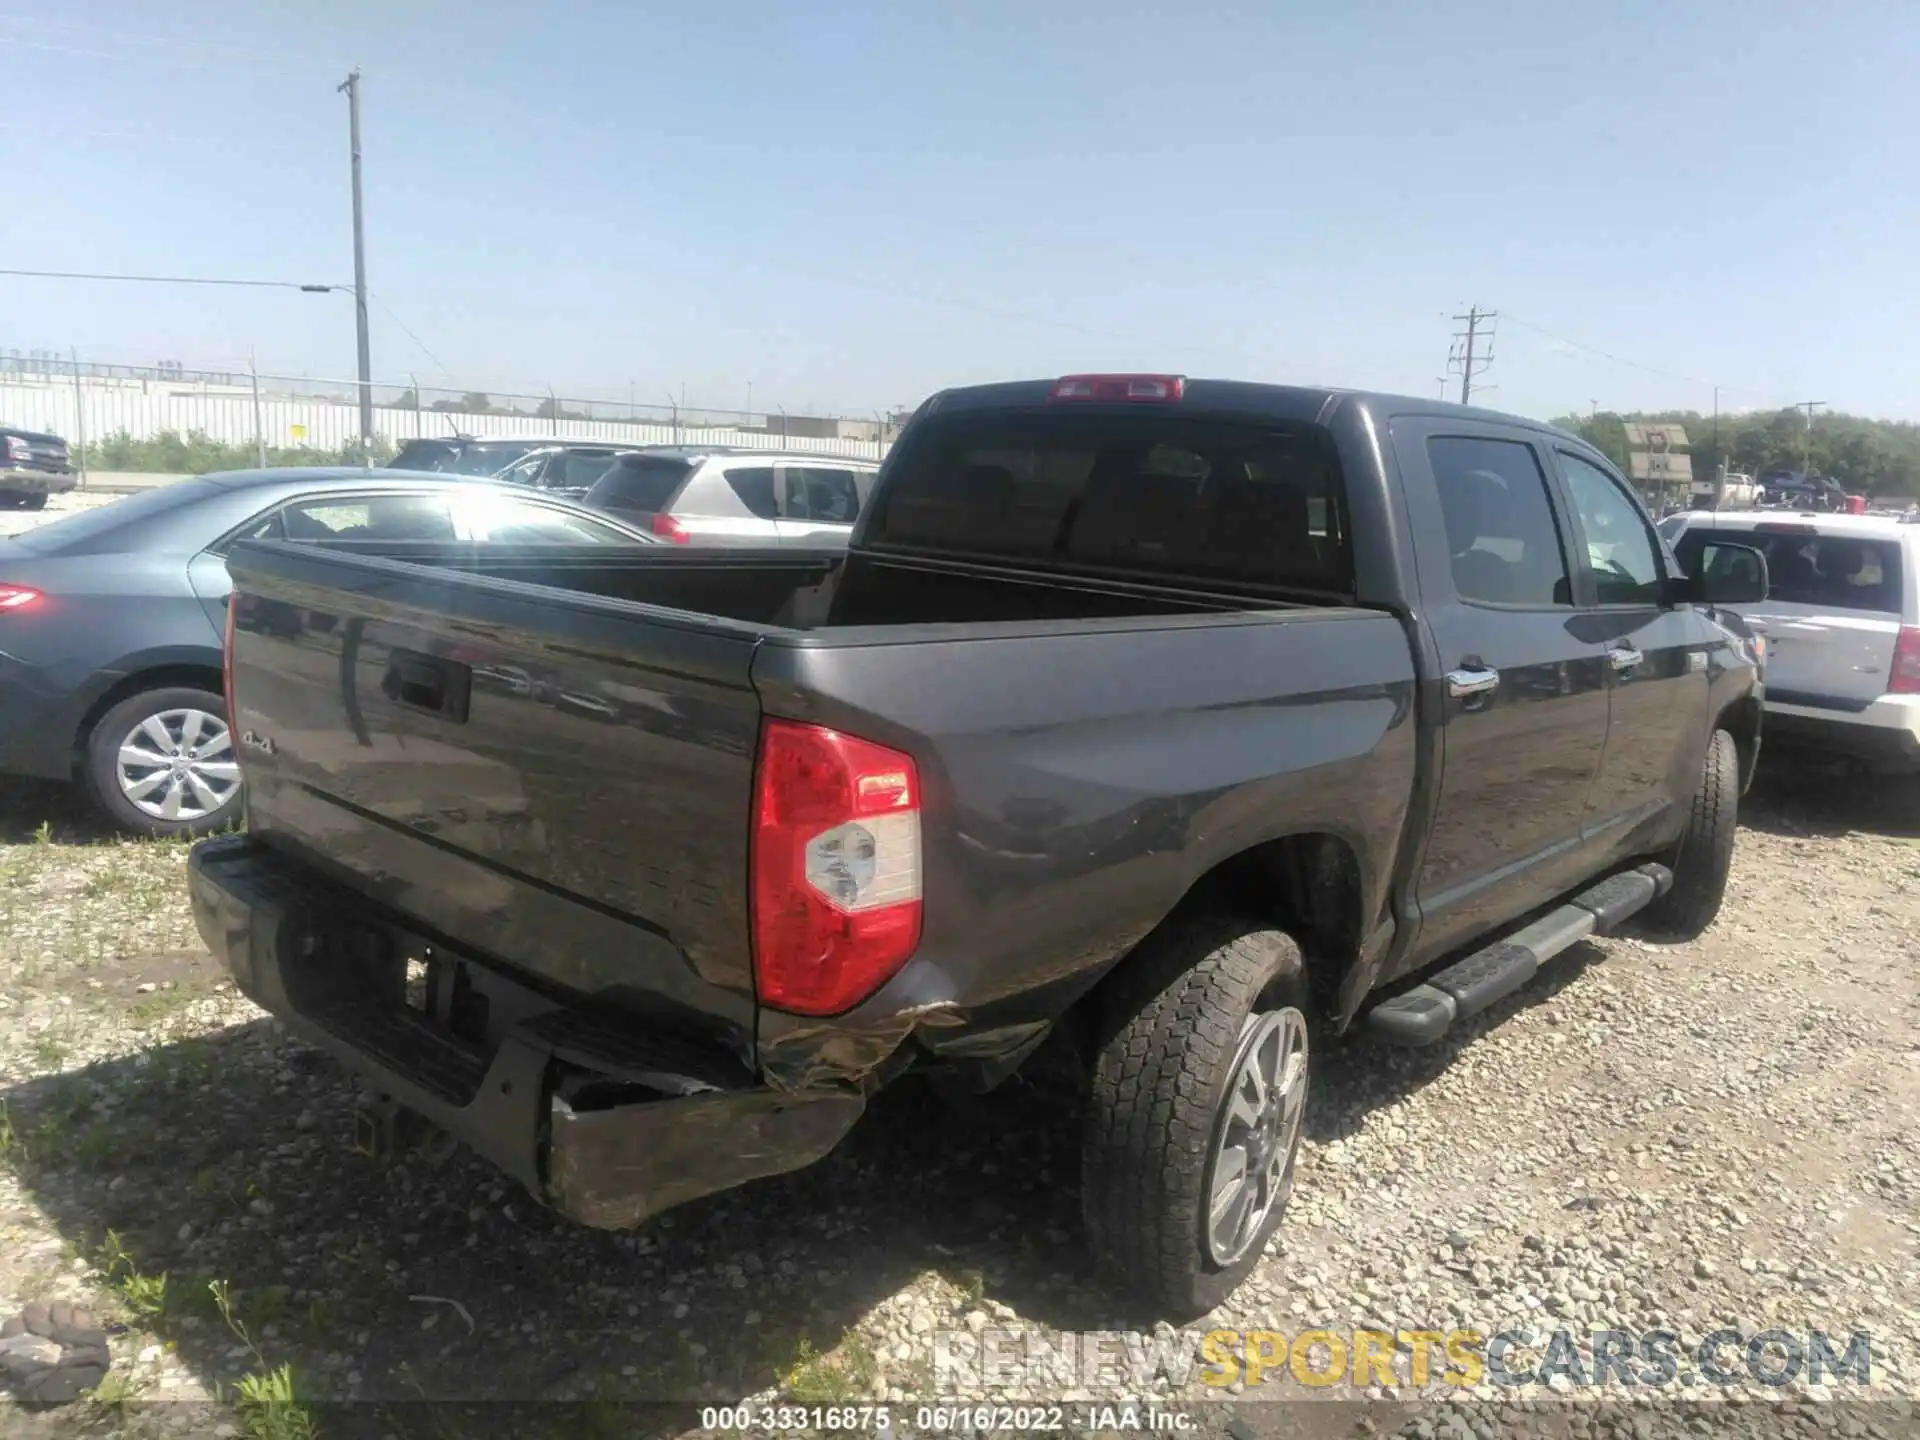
<point>161,763</point>
<point>33,502</point>
<point>1198,1101</point>
<point>1702,858</point>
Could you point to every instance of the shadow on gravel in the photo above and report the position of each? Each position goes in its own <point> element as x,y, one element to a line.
<point>1359,1075</point>
<point>26,805</point>
<point>1799,798</point>
<point>225,1158</point>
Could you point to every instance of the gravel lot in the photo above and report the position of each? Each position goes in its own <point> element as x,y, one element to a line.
<point>12,522</point>
<point>1721,1134</point>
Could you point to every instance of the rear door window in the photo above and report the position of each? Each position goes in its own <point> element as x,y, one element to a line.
<point>367,517</point>
<point>643,483</point>
<point>1137,493</point>
<point>1501,533</point>
<point>491,519</point>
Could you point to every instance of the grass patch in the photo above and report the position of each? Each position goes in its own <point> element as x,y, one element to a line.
<point>49,1051</point>
<point>267,1401</point>
<point>843,1374</point>
<point>143,1296</point>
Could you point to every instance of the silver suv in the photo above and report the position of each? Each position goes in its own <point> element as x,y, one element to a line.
<point>1842,627</point>
<point>704,495</point>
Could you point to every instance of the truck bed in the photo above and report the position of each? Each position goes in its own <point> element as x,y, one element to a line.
<point>547,760</point>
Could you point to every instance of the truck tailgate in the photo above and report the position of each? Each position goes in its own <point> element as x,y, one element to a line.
<point>558,779</point>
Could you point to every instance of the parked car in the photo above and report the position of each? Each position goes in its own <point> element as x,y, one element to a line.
<point>1842,625</point>
<point>32,467</point>
<point>1120,723</point>
<point>705,495</point>
<point>566,468</point>
<point>110,620</point>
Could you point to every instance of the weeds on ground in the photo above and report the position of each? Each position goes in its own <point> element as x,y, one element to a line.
<point>845,1373</point>
<point>267,1402</point>
<point>143,1295</point>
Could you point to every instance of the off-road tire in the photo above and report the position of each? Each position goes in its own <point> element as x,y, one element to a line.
<point>1703,855</point>
<point>1169,1038</point>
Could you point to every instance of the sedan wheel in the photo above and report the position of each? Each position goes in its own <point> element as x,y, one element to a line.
<point>178,765</point>
<point>162,764</point>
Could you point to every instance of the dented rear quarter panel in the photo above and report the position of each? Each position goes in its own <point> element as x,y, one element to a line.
<point>1077,784</point>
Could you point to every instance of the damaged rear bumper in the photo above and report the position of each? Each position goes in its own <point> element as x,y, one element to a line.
<point>604,1121</point>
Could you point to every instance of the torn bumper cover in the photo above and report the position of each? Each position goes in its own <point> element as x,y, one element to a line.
<point>606,1126</point>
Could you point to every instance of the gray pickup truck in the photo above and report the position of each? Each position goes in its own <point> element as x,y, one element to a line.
<point>1181,722</point>
<point>32,467</point>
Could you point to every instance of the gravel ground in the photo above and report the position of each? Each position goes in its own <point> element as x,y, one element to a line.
<point>1709,1136</point>
<point>1717,1134</point>
<point>12,522</point>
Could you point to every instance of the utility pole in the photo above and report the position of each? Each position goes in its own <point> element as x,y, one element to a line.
<point>1806,441</point>
<point>79,416</point>
<point>352,87</point>
<point>259,430</point>
<point>1468,358</point>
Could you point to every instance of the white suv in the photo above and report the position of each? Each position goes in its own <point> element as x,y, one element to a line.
<point>1842,627</point>
<point>705,495</point>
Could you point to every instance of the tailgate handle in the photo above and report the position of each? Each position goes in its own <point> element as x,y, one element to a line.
<point>426,682</point>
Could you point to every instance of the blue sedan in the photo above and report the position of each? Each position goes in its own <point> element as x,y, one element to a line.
<point>111,620</point>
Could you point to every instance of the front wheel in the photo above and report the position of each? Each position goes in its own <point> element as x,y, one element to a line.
<point>1702,858</point>
<point>161,763</point>
<point>1198,1103</point>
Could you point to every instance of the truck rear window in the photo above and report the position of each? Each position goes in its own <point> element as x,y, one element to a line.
<point>1153,494</point>
<point>1837,572</point>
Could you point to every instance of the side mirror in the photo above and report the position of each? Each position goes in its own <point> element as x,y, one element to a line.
<point>1726,573</point>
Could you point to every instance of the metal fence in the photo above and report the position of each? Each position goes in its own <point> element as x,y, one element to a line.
<point>94,405</point>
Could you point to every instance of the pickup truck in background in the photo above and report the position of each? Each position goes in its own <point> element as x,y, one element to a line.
<point>32,467</point>
<point>1183,723</point>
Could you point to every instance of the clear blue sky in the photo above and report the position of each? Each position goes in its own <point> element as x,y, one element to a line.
<point>852,205</point>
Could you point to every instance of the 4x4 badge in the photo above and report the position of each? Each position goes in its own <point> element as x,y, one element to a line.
<point>258,742</point>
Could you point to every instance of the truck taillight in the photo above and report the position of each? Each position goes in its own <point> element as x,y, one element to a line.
<point>670,529</point>
<point>835,867</point>
<point>226,671</point>
<point>1905,679</point>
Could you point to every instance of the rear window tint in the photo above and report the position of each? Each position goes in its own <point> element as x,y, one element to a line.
<point>639,482</point>
<point>1141,493</point>
<point>1836,572</point>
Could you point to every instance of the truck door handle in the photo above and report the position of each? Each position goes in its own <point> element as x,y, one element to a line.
<point>426,682</point>
<point>1624,659</point>
<point>1462,684</point>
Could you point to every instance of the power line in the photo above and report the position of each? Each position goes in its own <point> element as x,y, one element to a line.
<point>1513,319</point>
<point>1462,359</point>
<point>104,32</point>
<point>387,310</point>
<point>173,280</point>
